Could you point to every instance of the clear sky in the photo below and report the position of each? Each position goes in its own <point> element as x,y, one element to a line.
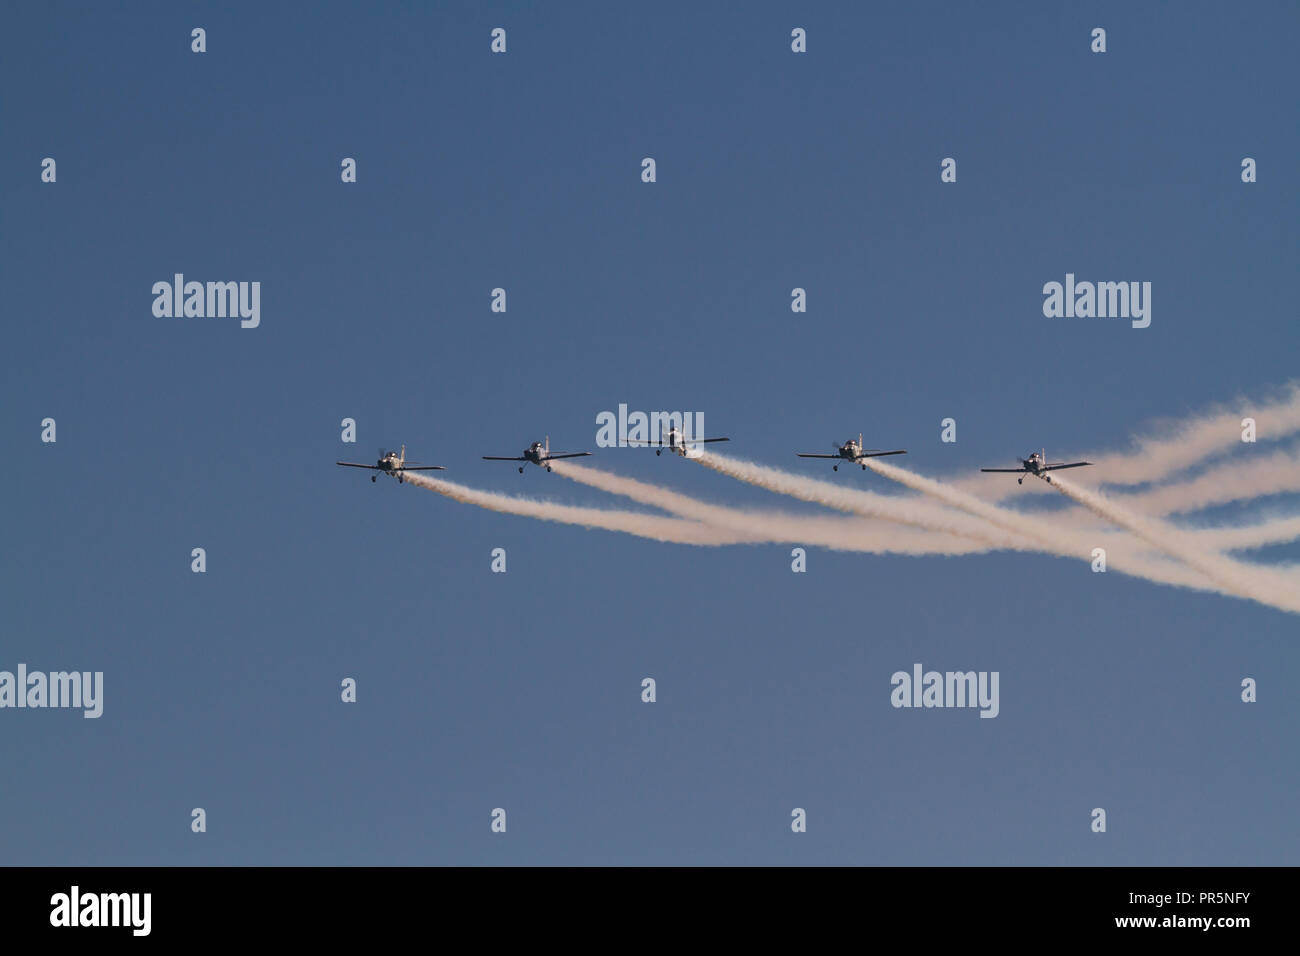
<point>523,171</point>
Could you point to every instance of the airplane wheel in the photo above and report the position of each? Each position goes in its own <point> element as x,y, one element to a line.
<point>658,452</point>
<point>864,467</point>
<point>548,467</point>
<point>835,467</point>
<point>521,471</point>
<point>372,477</point>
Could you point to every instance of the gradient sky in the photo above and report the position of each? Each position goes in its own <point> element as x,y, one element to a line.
<point>522,690</point>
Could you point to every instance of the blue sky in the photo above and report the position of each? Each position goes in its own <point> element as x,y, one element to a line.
<point>775,170</point>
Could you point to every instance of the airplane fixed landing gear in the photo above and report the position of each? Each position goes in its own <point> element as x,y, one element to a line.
<point>521,470</point>
<point>373,477</point>
<point>835,467</point>
<point>1020,481</point>
<point>864,467</point>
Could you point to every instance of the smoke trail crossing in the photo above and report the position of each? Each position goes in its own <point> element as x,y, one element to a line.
<point>1009,530</point>
<point>839,534</point>
<point>1051,538</point>
<point>1259,584</point>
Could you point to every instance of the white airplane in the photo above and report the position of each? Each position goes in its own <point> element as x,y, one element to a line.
<point>1037,464</point>
<point>677,442</point>
<point>539,454</point>
<point>853,451</point>
<point>392,463</point>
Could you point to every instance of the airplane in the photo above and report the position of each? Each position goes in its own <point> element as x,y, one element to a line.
<point>853,451</point>
<point>1037,464</point>
<point>392,463</point>
<point>539,454</point>
<point>677,442</point>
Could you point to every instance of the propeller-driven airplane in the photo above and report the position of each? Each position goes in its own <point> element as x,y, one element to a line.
<point>852,451</point>
<point>392,463</point>
<point>1038,465</point>
<point>676,441</point>
<point>539,454</point>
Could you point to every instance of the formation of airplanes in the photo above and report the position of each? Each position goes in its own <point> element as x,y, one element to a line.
<point>674,440</point>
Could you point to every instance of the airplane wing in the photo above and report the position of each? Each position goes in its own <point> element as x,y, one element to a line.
<point>495,458</point>
<point>572,454</point>
<point>802,455</point>
<point>356,464</point>
<point>685,441</point>
<point>1058,465</point>
<point>1008,471</point>
<point>880,454</point>
<point>423,468</point>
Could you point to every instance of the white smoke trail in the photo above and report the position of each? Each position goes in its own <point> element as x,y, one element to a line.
<point>1003,529</point>
<point>1222,484</point>
<point>1259,584</point>
<point>1274,474</point>
<point>907,526</point>
<point>906,511</point>
<point>1278,530</point>
<point>1052,538</point>
<point>654,527</point>
<point>839,534</point>
<point>1170,447</point>
<point>859,536</point>
<point>1182,444</point>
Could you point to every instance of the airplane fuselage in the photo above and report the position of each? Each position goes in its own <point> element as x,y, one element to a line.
<point>1034,467</point>
<point>851,451</point>
<point>391,465</point>
<point>676,442</point>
